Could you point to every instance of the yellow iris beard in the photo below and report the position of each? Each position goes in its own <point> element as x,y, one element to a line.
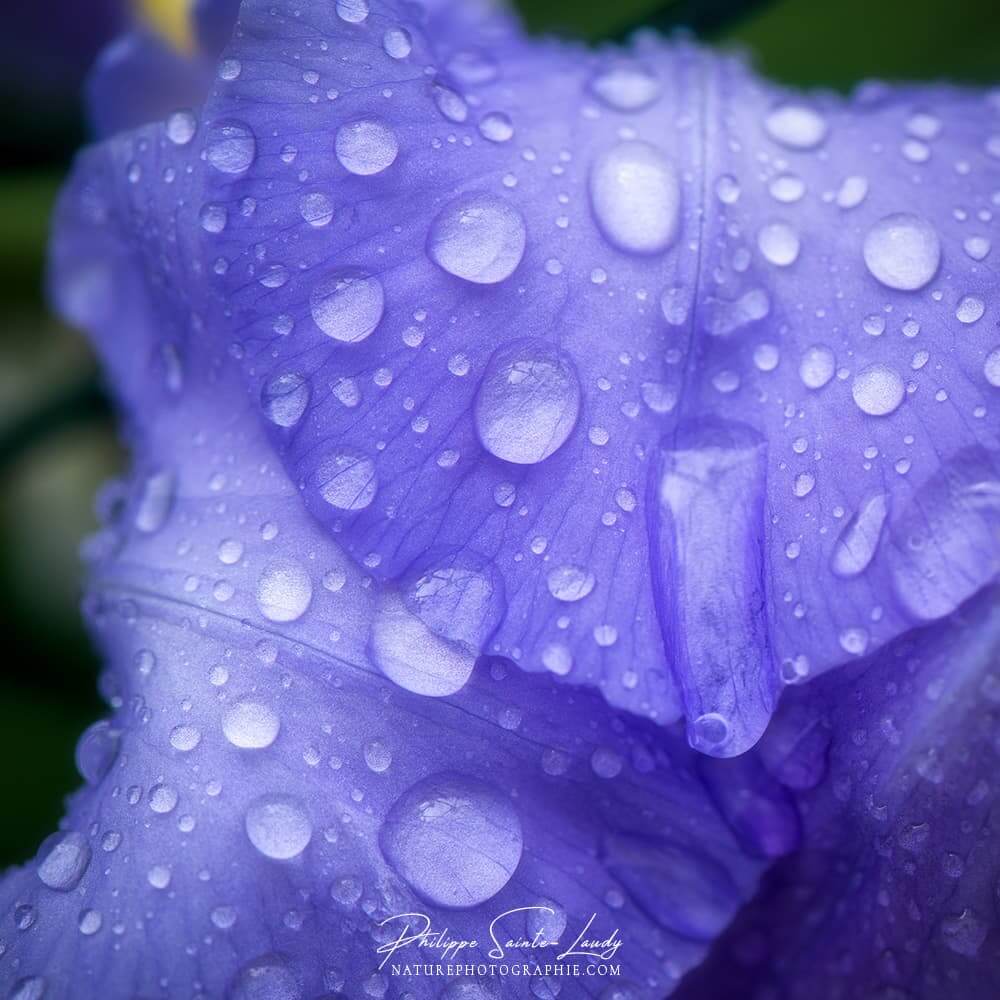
<point>171,19</point>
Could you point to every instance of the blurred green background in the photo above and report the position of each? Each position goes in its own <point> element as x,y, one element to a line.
<point>57,440</point>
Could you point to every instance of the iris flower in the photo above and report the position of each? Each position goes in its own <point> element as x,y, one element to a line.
<point>565,507</point>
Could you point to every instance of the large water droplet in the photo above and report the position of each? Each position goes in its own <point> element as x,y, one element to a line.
<point>348,304</point>
<point>796,126</point>
<point>903,252</point>
<point>63,859</point>
<point>636,197</point>
<point>411,654</point>
<point>278,826</point>
<point>366,147</point>
<point>250,725</point>
<point>478,237</point>
<point>859,540</point>
<point>878,390</point>
<point>347,480</point>
<point>231,147</point>
<point>528,402</point>
<point>284,399</point>
<point>284,591</point>
<point>456,840</point>
<point>626,86</point>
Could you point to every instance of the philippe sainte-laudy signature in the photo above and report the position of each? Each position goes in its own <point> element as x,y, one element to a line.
<point>417,931</point>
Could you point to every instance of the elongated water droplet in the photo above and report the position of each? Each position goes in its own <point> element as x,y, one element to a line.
<point>859,540</point>
<point>636,198</point>
<point>64,858</point>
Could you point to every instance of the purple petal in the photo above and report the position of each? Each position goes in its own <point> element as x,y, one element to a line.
<point>894,892</point>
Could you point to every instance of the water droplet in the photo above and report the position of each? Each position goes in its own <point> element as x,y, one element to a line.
<point>284,399</point>
<point>570,583</point>
<point>626,86</point>
<point>162,799</point>
<point>96,751</point>
<point>817,366</point>
<point>413,655</point>
<point>366,147</point>
<point>185,738</point>
<point>181,127</point>
<point>478,237</point>
<point>854,641</point>
<point>265,978</point>
<point>347,480</point>
<point>451,104</point>
<point>497,127</point>
<point>348,304</point>
<point>636,198</point>
<point>852,192</point>
<point>90,922</point>
<point>528,402</point>
<point>155,501</point>
<point>378,756</point>
<point>903,252</point>
<point>353,11</point>
<point>456,840</point>
<point>878,390</point>
<point>231,147</point>
<point>978,247</point>
<point>397,42</point>
<point>606,763</point>
<point>779,243</point>
<point>804,483</point>
<point>991,367</point>
<point>316,209</point>
<point>859,540</point>
<point>250,725</point>
<point>796,126</point>
<point>63,859</point>
<point>284,591</point>
<point>278,826</point>
<point>970,310</point>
